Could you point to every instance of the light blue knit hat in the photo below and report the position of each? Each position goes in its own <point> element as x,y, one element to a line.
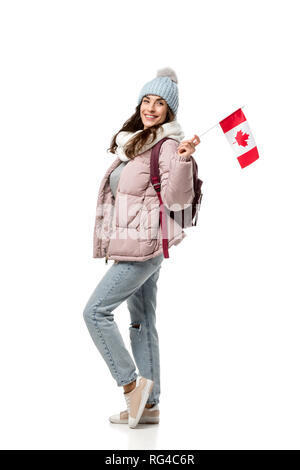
<point>164,85</point>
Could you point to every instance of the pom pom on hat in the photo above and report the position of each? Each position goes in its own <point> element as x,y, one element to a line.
<point>167,72</point>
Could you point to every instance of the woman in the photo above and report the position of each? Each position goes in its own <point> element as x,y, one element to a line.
<point>127,231</point>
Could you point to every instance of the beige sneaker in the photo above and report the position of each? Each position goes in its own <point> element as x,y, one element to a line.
<point>137,399</point>
<point>149,416</point>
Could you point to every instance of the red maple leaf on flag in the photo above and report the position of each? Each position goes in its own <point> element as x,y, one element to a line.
<point>241,138</point>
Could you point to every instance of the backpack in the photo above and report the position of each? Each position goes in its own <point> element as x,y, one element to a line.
<point>185,217</point>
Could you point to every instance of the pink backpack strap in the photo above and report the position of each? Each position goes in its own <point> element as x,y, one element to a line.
<point>155,180</point>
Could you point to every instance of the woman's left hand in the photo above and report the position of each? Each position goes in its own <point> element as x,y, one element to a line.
<point>187,147</point>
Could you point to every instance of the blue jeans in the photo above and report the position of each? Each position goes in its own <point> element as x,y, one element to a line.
<point>135,282</point>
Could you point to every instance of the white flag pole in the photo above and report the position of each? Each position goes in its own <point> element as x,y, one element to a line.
<point>215,125</point>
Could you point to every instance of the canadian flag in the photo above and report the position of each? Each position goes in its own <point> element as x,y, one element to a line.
<point>238,133</point>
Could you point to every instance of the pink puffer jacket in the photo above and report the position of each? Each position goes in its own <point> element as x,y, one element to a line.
<point>127,227</point>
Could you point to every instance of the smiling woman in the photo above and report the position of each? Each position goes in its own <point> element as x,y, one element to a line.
<point>130,234</point>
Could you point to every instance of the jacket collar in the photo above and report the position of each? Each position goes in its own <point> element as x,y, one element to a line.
<point>169,129</point>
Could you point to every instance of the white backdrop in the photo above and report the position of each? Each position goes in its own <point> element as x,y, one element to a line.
<point>228,308</point>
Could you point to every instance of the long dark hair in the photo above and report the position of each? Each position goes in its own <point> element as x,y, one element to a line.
<point>133,124</point>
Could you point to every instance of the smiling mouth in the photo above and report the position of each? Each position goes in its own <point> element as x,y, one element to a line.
<point>150,118</point>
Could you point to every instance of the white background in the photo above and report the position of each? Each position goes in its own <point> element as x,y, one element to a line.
<point>228,308</point>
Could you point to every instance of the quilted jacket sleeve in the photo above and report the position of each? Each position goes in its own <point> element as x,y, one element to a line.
<point>176,176</point>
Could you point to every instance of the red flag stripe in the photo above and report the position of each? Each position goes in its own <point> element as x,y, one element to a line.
<point>232,120</point>
<point>249,157</point>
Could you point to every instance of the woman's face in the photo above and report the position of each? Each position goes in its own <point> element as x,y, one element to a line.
<point>153,110</point>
